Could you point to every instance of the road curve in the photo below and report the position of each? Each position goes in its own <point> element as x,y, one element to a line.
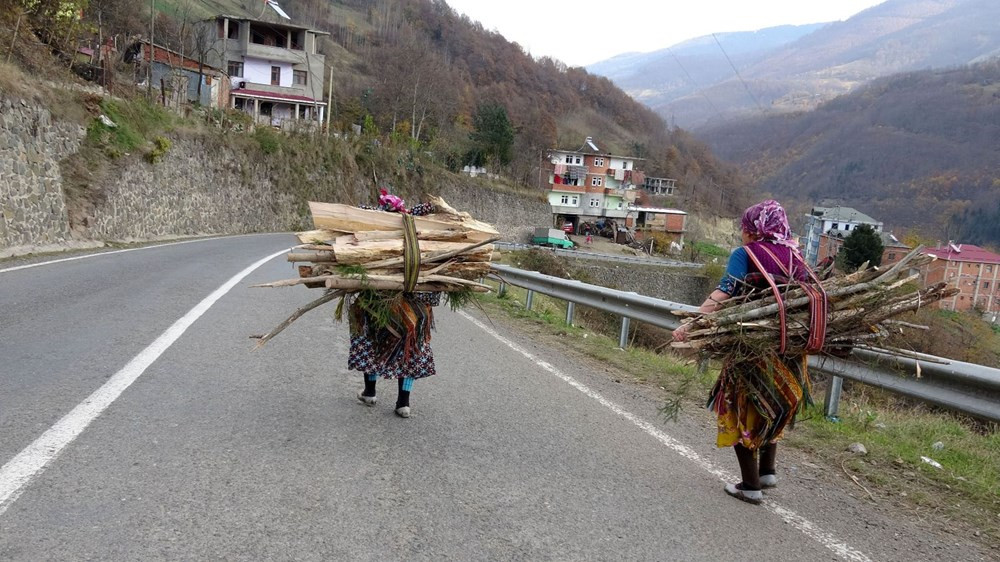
<point>516,451</point>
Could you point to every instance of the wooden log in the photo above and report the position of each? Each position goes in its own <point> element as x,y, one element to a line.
<point>347,219</point>
<point>351,254</point>
<point>439,235</point>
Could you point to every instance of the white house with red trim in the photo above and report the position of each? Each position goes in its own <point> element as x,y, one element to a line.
<point>274,68</point>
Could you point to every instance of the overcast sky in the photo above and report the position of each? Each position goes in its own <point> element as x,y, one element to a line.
<point>580,32</point>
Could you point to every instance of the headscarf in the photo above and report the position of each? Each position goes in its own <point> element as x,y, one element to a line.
<point>768,222</point>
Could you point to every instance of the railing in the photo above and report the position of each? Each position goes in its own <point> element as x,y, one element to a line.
<point>963,387</point>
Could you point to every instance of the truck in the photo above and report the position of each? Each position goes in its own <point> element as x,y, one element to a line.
<point>551,237</point>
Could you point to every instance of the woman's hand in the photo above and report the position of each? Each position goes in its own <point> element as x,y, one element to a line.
<point>680,334</point>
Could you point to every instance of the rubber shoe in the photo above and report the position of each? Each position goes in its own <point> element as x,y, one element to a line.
<point>768,481</point>
<point>367,400</point>
<point>403,411</point>
<point>749,496</point>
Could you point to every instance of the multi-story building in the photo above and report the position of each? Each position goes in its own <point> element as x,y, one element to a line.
<point>973,270</point>
<point>274,68</point>
<point>660,186</point>
<point>588,183</point>
<point>831,241</point>
<point>824,219</point>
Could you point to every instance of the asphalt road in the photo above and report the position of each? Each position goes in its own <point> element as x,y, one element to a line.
<point>208,450</point>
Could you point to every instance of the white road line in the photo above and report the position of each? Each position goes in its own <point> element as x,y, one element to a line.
<point>29,463</point>
<point>831,542</point>
<point>94,255</point>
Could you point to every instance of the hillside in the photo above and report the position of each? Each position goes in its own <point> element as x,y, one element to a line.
<point>421,70</point>
<point>918,151</point>
<point>660,77</point>
<point>893,37</point>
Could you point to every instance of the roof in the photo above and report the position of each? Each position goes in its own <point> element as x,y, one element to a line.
<point>888,240</point>
<point>844,214</point>
<point>964,252</point>
<point>274,96</point>
<point>658,210</point>
<point>257,11</point>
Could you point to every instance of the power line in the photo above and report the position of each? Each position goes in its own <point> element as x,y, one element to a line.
<point>737,72</point>
<point>695,84</point>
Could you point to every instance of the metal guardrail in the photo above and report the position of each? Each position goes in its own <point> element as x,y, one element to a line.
<point>583,254</point>
<point>963,387</point>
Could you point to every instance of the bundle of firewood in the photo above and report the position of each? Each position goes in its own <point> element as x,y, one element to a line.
<point>355,249</point>
<point>861,311</point>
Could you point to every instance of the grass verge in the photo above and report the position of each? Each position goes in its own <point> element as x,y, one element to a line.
<point>963,496</point>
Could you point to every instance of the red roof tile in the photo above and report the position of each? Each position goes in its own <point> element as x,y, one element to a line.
<point>272,95</point>
<point>966,252</point>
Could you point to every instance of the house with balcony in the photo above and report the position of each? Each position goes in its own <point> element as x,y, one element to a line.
<point>275,72</point>
<point>588,184</point>
<point>824,219</point>
<point>660,186</point>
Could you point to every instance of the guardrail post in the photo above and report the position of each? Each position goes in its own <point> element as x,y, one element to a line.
<point>570,309</point>
<point>623,337</point>
<point>832,404</point>
<point>502,290</point>
<point>529,299</point>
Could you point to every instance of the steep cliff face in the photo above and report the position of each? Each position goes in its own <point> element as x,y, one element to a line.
<point>204,183</point>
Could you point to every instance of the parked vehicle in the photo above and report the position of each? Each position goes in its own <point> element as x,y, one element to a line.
<point>552,237</point>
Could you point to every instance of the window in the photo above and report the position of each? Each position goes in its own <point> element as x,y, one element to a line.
<point>569,159</point>
<point>625,165</point>
<point>235,69</point>
<point>570,200</point>
<point>892,256</point>
<point>595,202</point>
<point>596,181</point>
<point>299,77</point>
<point>836,226</point>
<point>989,269</point>
<point>234,29</point>
<point>619,204</point>
<point>599,162</point>
<point>986,284</point>
<point>275,75</point>
<point>577,160</point>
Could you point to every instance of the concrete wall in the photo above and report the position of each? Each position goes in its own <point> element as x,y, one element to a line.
<point>660,282</point>
<point>32,207</point>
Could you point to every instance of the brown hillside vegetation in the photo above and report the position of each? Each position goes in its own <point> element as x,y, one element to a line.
<point>918,151</point>
<point>417,73</point>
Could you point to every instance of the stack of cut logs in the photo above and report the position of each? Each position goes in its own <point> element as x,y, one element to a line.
<point>861,308</point>
<point>354,249</point>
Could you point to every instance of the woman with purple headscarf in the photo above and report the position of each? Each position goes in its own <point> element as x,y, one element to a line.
<point>756,398</point>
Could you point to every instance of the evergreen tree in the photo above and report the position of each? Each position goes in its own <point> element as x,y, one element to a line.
<point>492,137</point>
<point>864,244</point>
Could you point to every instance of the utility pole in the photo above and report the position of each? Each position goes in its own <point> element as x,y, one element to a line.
<point>149,63</point>
<point>329,103</point>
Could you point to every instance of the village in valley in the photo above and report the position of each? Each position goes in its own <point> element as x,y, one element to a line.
<point>771,219</point>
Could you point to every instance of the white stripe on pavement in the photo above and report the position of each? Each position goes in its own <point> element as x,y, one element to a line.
<point>29,463</point>
<point>831,542</point>
<point>94,255</point>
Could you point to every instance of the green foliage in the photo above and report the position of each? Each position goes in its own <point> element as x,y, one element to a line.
<point>160,147</point>
<point>134,120</point>
<point>268,139</point>
<point>541,261</point>
<point>492,137</point>
<point>864,244</point>
<point>709,249</point>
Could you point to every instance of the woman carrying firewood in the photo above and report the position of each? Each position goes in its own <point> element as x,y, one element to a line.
<point>760,391</point>
<point>391,331</point>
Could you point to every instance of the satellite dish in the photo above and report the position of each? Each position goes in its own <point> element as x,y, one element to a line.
<point>274,6</point>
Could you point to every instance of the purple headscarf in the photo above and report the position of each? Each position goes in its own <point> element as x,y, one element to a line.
<point>768,222</point>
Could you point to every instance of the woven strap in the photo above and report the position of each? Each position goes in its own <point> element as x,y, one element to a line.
<point>411,254</point>
<point>777,297</point>
<point>818,301</point>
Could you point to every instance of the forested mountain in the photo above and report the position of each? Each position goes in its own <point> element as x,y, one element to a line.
<point>665,75</point>
<point>420,73</point>
<point>918,151</point>
<point>896,36</point>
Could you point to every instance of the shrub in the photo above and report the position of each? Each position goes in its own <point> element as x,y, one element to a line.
<point>160,147</point>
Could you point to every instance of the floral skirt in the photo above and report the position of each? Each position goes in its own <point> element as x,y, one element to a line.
<point>756,400</point>
<point>402,348</point>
